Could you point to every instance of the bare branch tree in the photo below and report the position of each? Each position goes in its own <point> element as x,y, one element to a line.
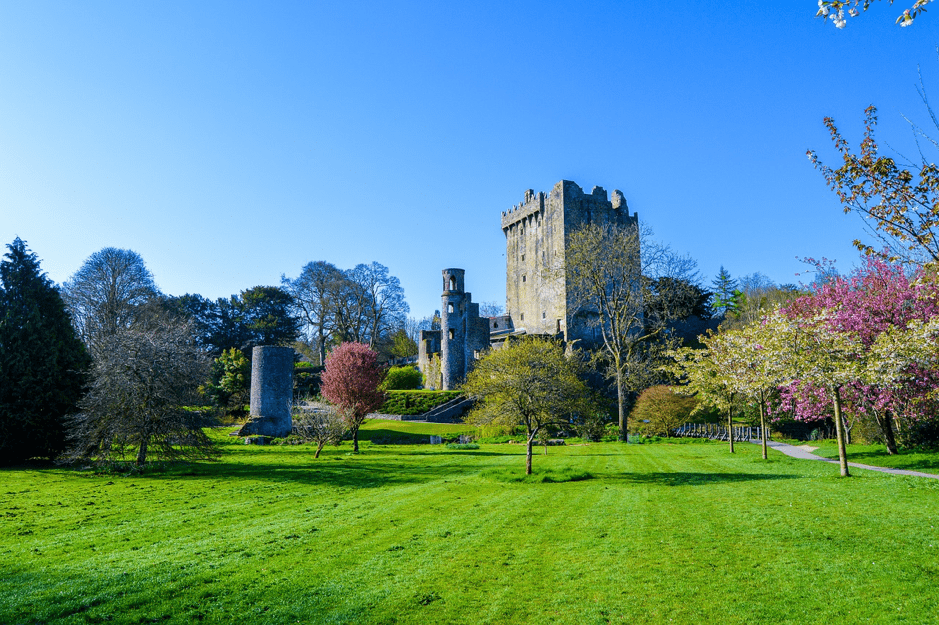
<point>145,379</point>
<point>107,293</point>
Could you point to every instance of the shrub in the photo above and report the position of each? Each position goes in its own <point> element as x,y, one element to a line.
<point>402,379</point>
<point>415,402</point>
<point>659,410</point>
<point>306,379</point>
<point>462,446</point>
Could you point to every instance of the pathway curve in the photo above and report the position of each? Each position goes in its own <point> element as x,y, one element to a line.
<point>796,452</point>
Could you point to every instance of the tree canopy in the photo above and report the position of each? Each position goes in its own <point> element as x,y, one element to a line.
<point>530,382</point>
<point>43,363</point>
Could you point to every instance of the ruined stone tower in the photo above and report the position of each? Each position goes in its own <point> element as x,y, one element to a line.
<point>535,231</point>
<point>463,335</point>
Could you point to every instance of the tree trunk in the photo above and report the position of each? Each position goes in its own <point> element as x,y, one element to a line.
<point>886,427</point>
<point>763,424</point>
<point>142,453</point>
<point>730,425</point>
<point>620,401</point>
<point>839,428</point>
<point>355,441</point>
<point>319,448</point>
<point>531,437</point>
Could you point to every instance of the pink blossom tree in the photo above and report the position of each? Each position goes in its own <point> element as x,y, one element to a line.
<point>350,382</point>
<point>874,299</point>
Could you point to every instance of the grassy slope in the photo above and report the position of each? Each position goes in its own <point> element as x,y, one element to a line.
<point>416,534</point>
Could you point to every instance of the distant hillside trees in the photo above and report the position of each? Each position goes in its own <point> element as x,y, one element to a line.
<point>262,315</point>
<point>43,363</point>
<point>364,304</point>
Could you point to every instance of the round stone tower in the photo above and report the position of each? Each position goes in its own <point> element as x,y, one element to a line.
<point>453,330</point>
<point>271,391</point>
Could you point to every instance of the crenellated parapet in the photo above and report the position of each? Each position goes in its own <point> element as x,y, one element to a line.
<point>533,203</point>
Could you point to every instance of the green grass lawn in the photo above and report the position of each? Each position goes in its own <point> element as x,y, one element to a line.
<point>877,456</point>
<point>424,534</point>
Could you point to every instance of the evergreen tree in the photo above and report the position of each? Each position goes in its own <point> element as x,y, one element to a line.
<point>43,363</point>
<point>725,288</point>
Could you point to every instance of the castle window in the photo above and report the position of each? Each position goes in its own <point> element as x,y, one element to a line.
<point>523,316</point>
<point>495,324</point>
<point>452,283</point>
<point>523,278</point>
<point>449,308</point>
<point>523,257</point>
<point>451,333</point>
<point>544,315</point>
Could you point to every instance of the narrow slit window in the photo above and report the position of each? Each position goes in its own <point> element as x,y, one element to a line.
<point>449,308</point>
<point>451,333</point>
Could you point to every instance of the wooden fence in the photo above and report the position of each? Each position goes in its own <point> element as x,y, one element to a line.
<point>718,432</point>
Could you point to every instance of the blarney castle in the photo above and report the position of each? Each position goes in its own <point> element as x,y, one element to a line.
<point>536,291</point>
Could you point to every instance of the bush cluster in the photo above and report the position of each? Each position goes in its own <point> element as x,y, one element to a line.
<point>402,379</point>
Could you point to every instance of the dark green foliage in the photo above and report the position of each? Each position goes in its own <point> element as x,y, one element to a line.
<point>259,316</point>
<point>230,388</point>
<point>43,363</point>
<point>402,379</point>
<point>306,379</point>
<point>415,402</point>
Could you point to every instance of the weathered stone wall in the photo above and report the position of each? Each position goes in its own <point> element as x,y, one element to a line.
<point>271,391</point>
<point>537,298</point>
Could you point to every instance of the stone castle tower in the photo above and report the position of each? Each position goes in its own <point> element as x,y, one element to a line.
<point>462,335</point>
<point>536,292</point>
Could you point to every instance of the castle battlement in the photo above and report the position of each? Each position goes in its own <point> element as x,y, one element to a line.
<point>533,203</point>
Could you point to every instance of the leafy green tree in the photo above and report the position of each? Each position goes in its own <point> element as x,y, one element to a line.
<point>402,345</point>
<point>267,314</point>
<point>530,383</point>
<point>43,363</point>
<point>231,388</point>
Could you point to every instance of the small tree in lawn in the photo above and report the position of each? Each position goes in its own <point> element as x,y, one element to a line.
<point>705,373</point>
<point>322,427</point>
<point>530,383</point>
<point>351,383</point>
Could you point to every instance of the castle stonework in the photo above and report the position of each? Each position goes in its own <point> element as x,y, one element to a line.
<point>536,291</point>
<point>537,295</point>
<point>463,335</point>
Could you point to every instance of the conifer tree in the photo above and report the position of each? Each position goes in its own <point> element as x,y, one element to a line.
<point>43,363</point>
<point>725,289</point>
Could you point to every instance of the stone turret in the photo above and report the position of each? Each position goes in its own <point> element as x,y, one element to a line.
<point>453,329</point>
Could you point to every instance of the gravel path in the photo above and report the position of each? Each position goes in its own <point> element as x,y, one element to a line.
<point>798,452</point>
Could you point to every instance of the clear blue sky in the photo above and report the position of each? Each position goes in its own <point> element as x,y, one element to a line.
<point>231,142</point>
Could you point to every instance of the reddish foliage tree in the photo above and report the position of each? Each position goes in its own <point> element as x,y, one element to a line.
<point>350,382</point>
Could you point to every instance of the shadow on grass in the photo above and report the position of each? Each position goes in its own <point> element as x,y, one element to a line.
<point>697,479</point>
